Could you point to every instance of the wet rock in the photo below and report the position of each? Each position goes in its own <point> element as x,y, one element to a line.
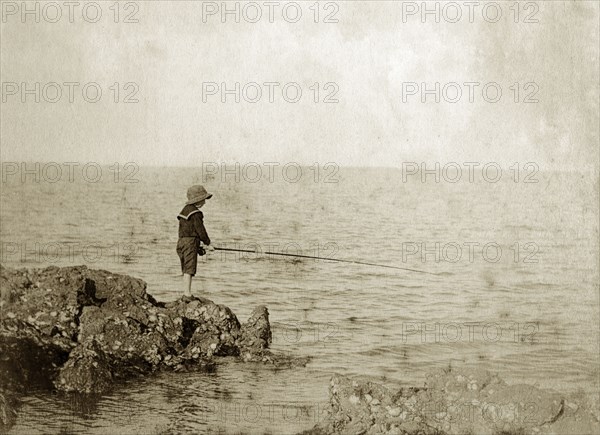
<point>87,370</point>
<point>255,340</point>
<point>454,402</point>
<point>207,329</point>
<point>256,333</point>
<point>28,358</point>
<point>131,345</point>
<point>80,329</point>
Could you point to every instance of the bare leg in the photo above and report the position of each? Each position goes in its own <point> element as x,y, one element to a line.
<point>187,284</point>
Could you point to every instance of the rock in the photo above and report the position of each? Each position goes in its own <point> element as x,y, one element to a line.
<point>256,335</point>
<point>450,404</point>
<point>87,370</point>
<point>207,329</point>
<point>7,412</point>
<point>28,358</point>
<point>79,329</point>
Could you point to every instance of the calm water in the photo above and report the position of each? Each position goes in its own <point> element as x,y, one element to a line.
<point>532,315</point>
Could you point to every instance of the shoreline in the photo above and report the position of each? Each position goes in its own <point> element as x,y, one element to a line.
<point>78,331</point>
<point>456,401</point>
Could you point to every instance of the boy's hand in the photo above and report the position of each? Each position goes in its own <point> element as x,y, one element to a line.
<point>210,248</point>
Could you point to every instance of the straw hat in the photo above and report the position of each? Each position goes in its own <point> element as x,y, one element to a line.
<point>196,194</point>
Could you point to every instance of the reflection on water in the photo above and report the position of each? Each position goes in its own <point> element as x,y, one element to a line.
<point>236,399</point>
<point>524,306</point>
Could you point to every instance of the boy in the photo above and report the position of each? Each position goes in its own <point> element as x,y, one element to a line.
<point>191,233</point>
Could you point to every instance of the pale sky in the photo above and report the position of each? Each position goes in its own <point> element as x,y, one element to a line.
<point>369,55</point>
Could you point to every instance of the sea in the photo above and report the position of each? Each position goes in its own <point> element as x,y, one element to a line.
<point>494,269</point>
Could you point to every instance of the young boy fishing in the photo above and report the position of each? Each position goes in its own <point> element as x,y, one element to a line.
<point>191,234</point>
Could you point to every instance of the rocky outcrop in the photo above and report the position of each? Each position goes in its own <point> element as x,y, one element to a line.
<point>79,330</point>
<point>455,402</point>
<point>255,335</point>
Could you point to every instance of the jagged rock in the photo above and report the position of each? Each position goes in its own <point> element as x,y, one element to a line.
<point>255,338</point>
<point>79,329</point>
<point>454,402</point>
<point>256,333</point>
<point>87,370</point>
<point>28,358</point>
<point>208,329</point>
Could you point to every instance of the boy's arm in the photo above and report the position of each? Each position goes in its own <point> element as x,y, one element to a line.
<point>200,230</point>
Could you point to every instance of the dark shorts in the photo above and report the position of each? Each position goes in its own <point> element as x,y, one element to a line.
<point>187,249</point>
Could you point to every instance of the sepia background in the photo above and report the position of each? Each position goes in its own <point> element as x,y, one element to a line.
<point>368,53</point>
<point>349,180</point>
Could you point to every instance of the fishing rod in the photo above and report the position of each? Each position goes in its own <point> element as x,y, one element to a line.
<point>324,258</point>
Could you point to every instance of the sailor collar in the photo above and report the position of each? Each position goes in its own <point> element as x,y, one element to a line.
<point>188,211</point>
